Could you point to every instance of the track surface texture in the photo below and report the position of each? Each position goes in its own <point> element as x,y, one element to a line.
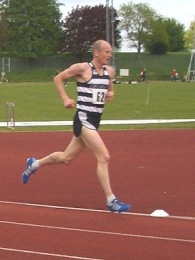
<point>61,212</point>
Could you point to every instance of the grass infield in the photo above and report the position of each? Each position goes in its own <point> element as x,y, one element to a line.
<point>39,101</point>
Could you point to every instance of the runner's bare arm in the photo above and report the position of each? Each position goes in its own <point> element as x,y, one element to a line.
<point>73,71</point>
<point>110,93</point>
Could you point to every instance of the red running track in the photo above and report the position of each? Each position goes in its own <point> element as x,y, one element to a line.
<point>150,169</point>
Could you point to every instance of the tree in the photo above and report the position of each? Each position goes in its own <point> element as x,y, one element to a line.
<point>2,34</point>
<point>176,33</point>
<point>190,37</point>
<point>158,39</point>
<point>136,22</point>
<point>83,26</point>
<point>33,27</point>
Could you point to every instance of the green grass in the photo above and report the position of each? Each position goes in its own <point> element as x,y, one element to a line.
<point>153,100</point>
<point>167,100</point>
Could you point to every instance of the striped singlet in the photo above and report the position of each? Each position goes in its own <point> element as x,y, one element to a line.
<point>90,101</point>
<point>91,94</point>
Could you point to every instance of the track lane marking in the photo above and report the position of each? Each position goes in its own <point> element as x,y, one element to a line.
<point>92,210</point>
<point>98,232</point>
<point>47,254</point>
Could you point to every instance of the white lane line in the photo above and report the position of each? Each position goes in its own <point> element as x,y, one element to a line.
<point>46,254</point>
<point>90,210</point>
<point>98,232</point>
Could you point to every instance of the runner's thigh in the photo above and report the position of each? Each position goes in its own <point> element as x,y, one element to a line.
<point>94,142</point>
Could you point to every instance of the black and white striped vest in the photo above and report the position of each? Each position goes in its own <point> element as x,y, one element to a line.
<point>91,95</point>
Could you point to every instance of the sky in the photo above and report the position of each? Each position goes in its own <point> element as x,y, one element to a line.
<point>182,11</point>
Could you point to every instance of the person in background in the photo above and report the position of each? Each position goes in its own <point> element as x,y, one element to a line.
<point>174,75</point>
<point>3,77</point>
<point>143,74</point>
<point>94,88</point>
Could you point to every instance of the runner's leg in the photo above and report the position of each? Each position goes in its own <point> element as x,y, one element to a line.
<point>75,147</point>
<point>93,141</point>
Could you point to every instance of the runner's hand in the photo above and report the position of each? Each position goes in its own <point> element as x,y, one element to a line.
<point>110,95</point>
<point>69,103</point>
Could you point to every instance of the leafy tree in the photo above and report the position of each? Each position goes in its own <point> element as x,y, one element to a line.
<point>190,37</point>
<point>176,33</point>
<point>158,39</point>
<point>33,27</point>
<point>2,34</point>
<point>136,22</point>
<point>84,25</point>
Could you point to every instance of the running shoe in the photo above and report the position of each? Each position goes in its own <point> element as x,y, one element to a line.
<point>29,170</point>
<point>117,206</point>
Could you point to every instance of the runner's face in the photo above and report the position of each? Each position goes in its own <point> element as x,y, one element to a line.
<point>105,54</point>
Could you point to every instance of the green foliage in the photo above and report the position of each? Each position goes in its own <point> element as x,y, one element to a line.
<point>146,30</point>
<point>158,47</point>
<point>33,27</point>
<point>3,33</point>
<point>176,33</point>
<point>190,37</point>
<point>136,21</point>
<point>84,25</point>
<point>157,40</point>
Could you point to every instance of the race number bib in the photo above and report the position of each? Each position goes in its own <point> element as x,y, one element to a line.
<point>98,96</point>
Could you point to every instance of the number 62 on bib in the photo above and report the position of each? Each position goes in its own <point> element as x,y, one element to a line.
<point>99,95</point>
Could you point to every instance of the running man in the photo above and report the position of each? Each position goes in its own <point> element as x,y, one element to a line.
<point>94,87</point>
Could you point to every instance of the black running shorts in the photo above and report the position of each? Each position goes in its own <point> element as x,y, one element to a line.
<point>87,119</point>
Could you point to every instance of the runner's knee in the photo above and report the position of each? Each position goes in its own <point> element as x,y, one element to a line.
<point>62,158</point>
<point>104,158</point>
<point>67,160</point>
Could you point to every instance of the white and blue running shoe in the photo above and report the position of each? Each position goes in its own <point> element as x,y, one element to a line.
<point>29,170</point>
<point>118,206</point>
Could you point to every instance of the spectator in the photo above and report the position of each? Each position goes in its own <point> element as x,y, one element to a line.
<point>174,75</point>
<point>143,74</point>
<point>3,77</point>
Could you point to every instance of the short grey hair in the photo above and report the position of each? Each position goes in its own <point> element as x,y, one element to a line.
<point>97,45</point>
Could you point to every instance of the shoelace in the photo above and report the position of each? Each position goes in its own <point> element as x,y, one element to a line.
<point>29,170</point>
<point>116,205</point>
